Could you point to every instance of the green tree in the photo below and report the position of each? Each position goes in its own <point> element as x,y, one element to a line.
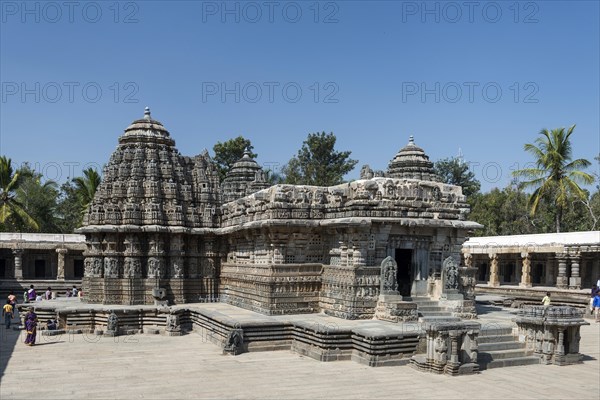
<point>230,151</point>
<point>556,176</point>
<point>455,171</point>
<point>69,209</point>
<point>273,177</point>
<point>11,209</point>
<point>318,163</point>
<point>502,212</point>
<point>39,200</point>
<point>85,187</point>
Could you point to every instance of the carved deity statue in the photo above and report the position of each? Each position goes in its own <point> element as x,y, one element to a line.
<point>389,272</point>
<point>113,322</point>
<point>172,323</point>
<point>450,271</point>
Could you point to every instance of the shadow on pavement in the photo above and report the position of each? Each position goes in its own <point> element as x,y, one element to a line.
<point>9,338</point>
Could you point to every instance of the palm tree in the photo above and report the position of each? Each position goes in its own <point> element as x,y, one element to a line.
<point>555,177</point>
<point>39,200</point>
<point>10,207</point>
<point>86,186</point>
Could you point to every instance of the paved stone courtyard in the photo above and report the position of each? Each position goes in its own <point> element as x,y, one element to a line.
<point>158,367</point>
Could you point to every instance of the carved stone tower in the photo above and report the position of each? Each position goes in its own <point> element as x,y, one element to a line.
<point>411,162</point>
<point>139,226</point>
<point>244,178</point>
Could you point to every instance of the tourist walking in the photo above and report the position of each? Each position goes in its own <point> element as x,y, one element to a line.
<point>7,313</point>
<point>593,293</point>
<point>74,291</point>
<point>546,302</point>
<point>596,305</point>
<point>30,327</point>
<point>31,294</point>
<point>12,298</point>
<point>546,299</point>
<point>48,294</point>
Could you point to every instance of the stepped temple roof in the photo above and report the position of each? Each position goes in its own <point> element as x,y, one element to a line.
<point>411,162</point>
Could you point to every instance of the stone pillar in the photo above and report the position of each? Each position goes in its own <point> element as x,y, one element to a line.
<point>18,253</point>
<point>60,271</point>
<point>343,254</point>
<point>526,271</point>
<point>494,279</point>
<point>575,279</point>
<point>561,279</point>
<point>549,269</point>
<point>517,275</point>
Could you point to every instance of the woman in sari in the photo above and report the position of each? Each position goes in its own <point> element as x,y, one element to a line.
<point>31,328</point>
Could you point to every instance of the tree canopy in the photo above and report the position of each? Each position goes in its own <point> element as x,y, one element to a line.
<point>556,176</point>
<point>455,171</point>
<point>85,187</point>
<point>318,163</point>
<point>12,211</point>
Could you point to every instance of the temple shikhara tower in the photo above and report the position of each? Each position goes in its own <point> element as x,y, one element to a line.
<point>161,220</point>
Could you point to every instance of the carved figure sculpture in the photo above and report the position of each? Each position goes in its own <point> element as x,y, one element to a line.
<point>451,273</point>
<point>234,342</point>
<point>389,272</point>
<point>113,322</point>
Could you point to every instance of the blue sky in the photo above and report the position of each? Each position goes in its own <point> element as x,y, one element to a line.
<point>483,77</point>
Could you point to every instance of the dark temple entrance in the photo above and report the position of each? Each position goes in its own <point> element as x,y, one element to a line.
<point>40,268</point>
<point>404,259</point>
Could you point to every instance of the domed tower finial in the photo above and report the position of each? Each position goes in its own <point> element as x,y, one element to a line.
<point>411,140</point>
<point>147,113</point>
<point>246,152</point>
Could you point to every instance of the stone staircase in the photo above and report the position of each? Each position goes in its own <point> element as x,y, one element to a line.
<point>499,348</point>
<point>431,310</point>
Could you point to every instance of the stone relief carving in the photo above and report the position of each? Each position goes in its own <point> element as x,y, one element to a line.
<point>450,271</point>
<point>389,272</point>
<point>112,324</point>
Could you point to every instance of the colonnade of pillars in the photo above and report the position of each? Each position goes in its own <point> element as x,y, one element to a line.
<point>568,275</point>
<point>18,263</point>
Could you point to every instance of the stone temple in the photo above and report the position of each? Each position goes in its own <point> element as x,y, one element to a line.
<point>162,222</point>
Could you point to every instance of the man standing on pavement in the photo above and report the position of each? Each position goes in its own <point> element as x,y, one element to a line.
<point>7,313</point>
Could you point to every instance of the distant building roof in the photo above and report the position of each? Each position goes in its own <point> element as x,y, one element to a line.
<point>545,242</point>
<point>42,237</point>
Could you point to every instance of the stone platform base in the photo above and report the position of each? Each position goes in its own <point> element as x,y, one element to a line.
<point>322,338</point>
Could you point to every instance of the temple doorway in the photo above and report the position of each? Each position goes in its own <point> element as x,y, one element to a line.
<point>40,268</point>
<point>404,259</point>
<point>78,268</point>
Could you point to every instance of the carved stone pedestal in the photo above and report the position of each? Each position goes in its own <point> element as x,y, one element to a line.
<point>173,327</point>
<point>159,295</point>
<point>391,308</point>
<point>451,349</point>
<point>552,333</point>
